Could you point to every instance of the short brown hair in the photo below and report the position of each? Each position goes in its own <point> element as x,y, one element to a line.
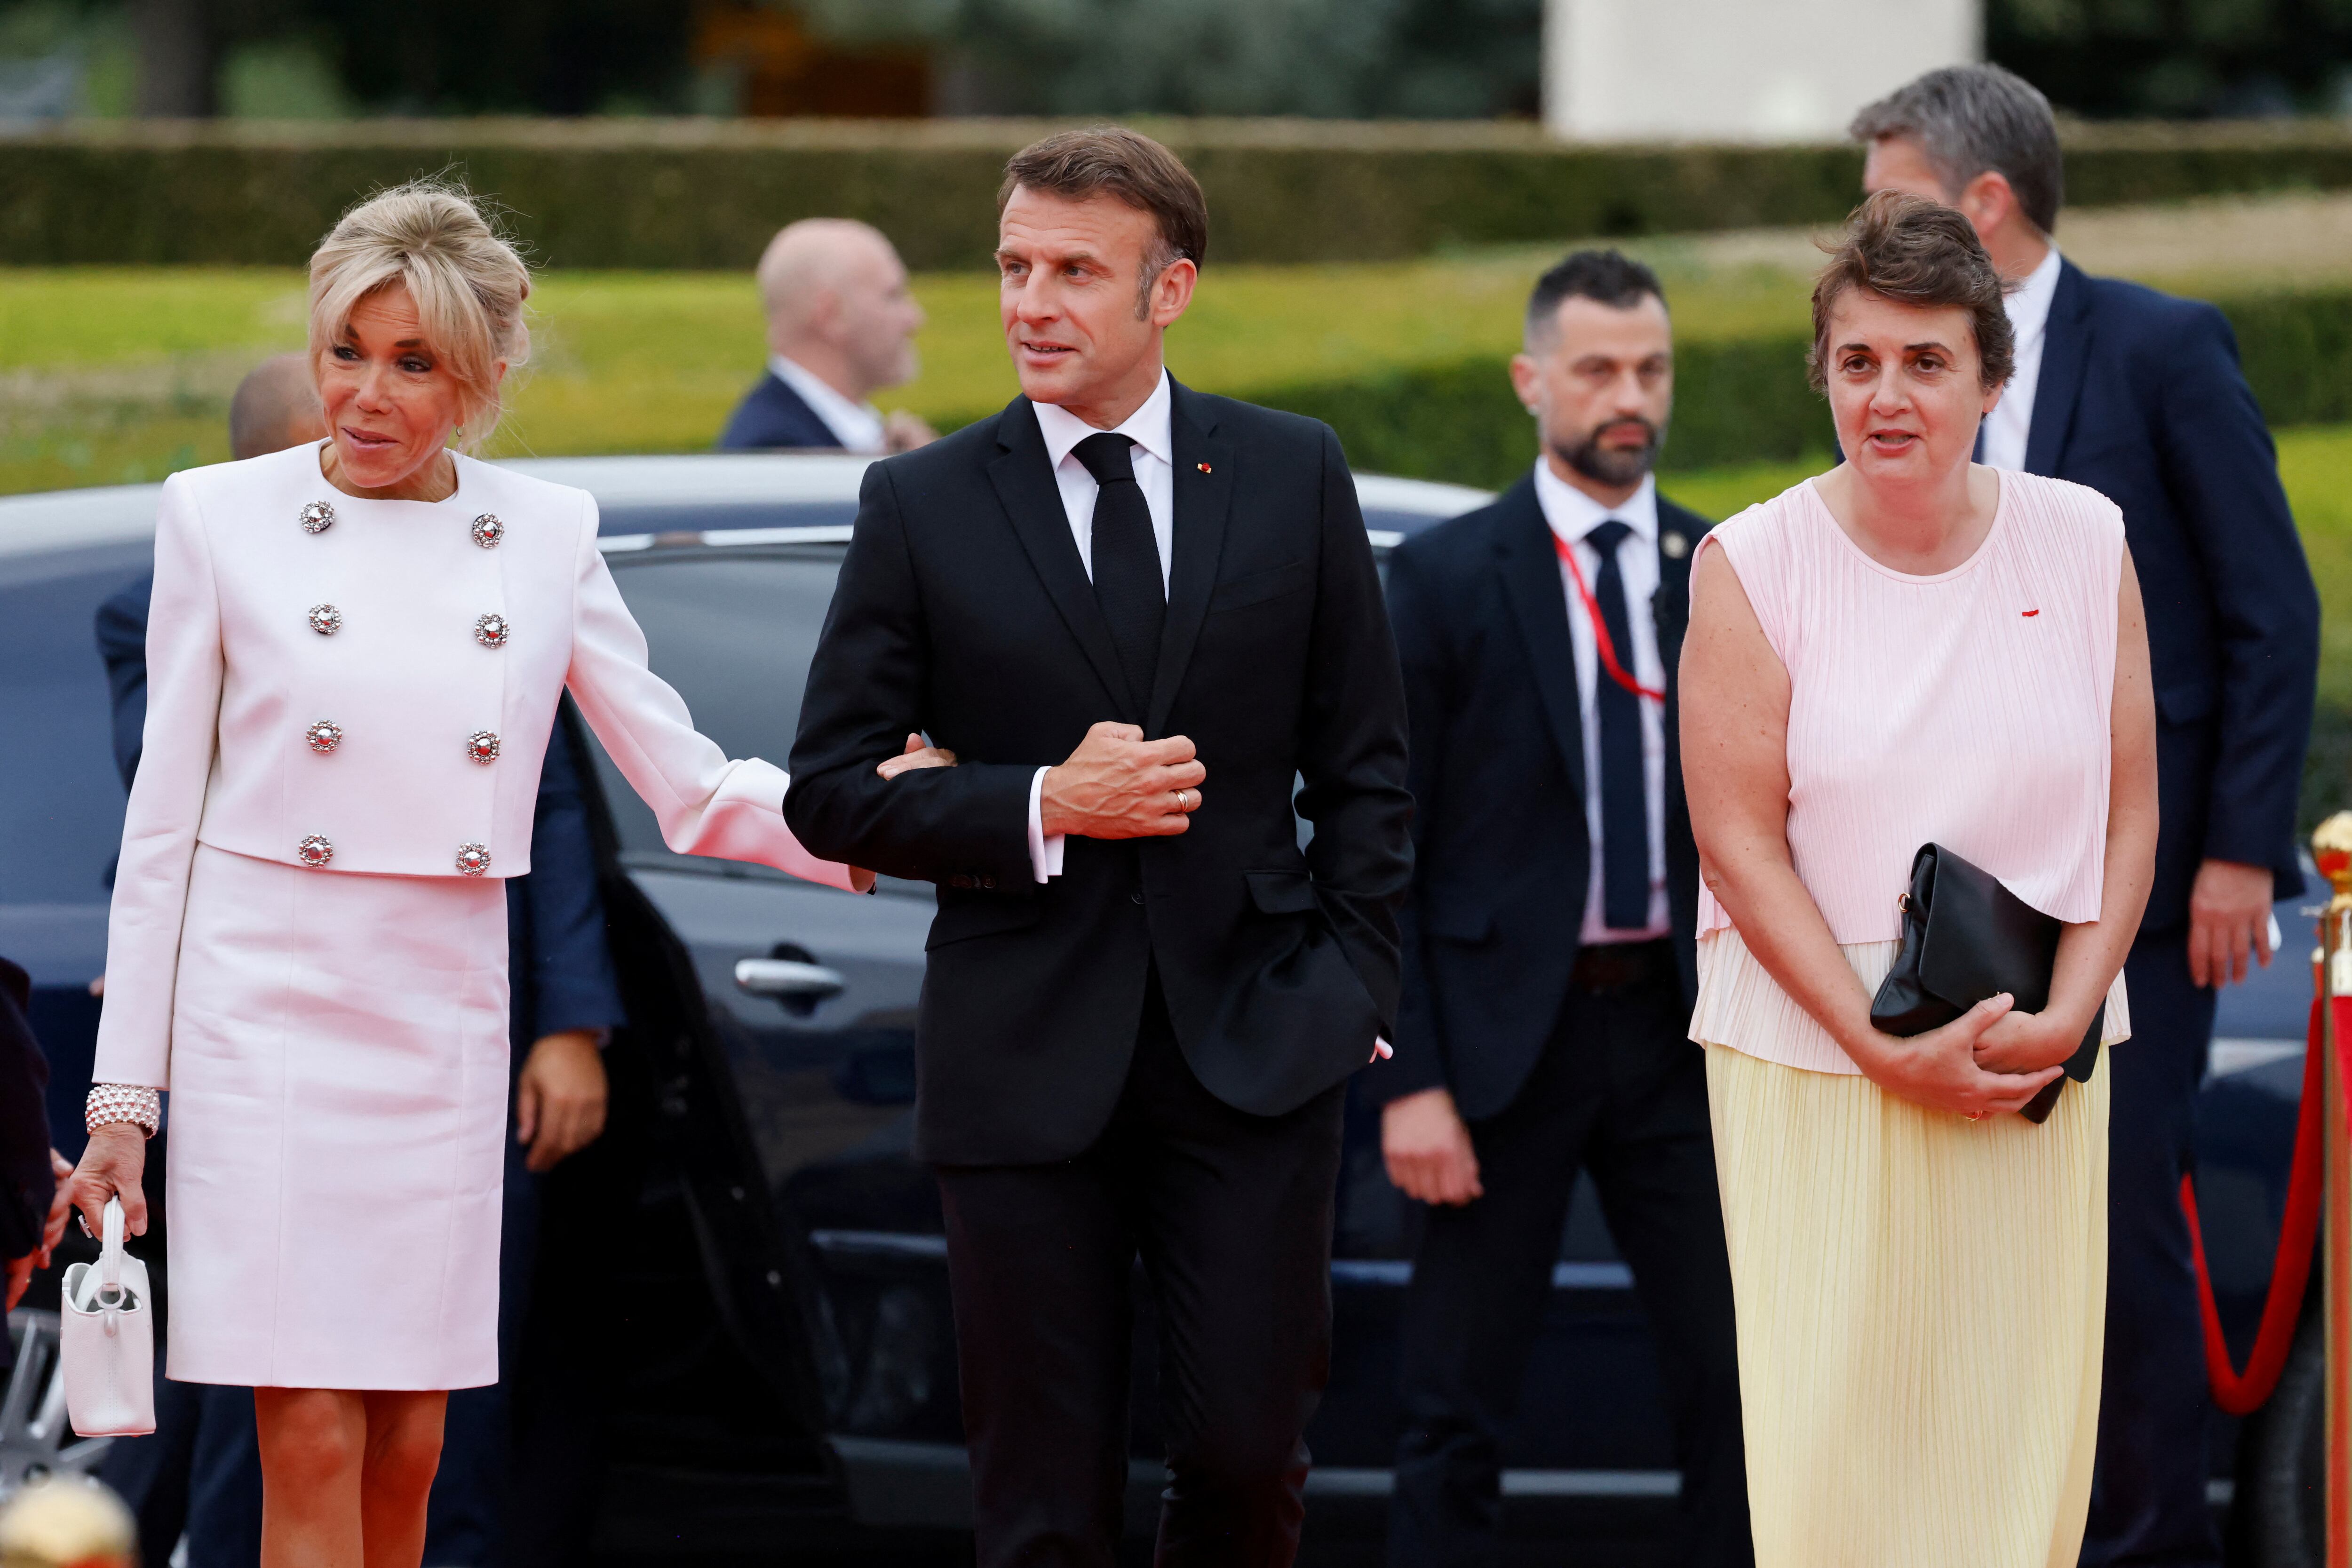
<point>1915,252</point>
<point>1111,160</point>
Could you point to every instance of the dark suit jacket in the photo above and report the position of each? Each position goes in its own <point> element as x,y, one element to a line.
<point>963,611</point>
<point>25,1183</point>
<point>560,969</point>
<point>773,415</point>
<point>2140,397</point>
<point>1502,856</point>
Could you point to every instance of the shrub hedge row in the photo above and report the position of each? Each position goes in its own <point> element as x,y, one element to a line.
<point>695,194</point>
<point>1746,402</point>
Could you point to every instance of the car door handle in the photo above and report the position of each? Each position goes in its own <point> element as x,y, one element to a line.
<point>786,977</point>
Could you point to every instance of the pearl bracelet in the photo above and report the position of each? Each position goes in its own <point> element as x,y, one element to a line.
<point>113,1104</point>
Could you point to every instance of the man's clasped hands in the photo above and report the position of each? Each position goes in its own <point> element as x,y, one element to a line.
<point>1116,785</point>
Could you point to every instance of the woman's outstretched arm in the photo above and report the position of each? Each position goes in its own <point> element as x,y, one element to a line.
<point>706,802</point>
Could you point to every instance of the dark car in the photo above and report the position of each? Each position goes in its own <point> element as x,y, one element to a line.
<point>754,1264</point>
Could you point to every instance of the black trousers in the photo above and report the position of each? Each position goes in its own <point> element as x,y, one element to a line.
<point>1622,1093</point>
<point>1232,1216</point>
<point>2147,1494</point>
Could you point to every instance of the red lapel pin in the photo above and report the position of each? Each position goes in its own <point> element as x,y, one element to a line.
<point>2028,614</point>
<point>1204,468</point>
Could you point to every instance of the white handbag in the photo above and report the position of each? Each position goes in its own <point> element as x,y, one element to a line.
<point>105,1335</point>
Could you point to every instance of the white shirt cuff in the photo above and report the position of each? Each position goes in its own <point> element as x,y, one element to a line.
<point>1045,849</point>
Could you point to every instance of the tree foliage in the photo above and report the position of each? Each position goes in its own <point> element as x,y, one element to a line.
<point>2178,58</point>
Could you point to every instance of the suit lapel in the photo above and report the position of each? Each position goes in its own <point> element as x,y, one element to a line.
<point>1024,484</point>
<point>1530,568</point>
<point>2066,347</point>
<point>1203,494</point>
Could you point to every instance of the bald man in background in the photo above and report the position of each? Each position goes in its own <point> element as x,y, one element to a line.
<point>841,327</point>
<point>274,407</point>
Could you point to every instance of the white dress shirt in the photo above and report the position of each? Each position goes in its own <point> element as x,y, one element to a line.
<point>1154,456</point>
<point>2008,425</point>
<point>856,427</point>
<point>1572,515</point>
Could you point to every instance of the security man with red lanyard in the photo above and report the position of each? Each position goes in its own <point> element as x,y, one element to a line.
<point>1548,963</point>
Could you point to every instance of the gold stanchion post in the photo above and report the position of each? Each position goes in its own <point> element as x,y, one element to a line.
<point>2331,847</point>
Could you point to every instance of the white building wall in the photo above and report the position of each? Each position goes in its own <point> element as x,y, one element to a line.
<point>1739,70</point>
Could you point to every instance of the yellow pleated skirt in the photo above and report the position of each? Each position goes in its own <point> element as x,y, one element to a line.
<point>1921,1305</point>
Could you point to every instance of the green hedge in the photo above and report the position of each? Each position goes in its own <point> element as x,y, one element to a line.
<point>697,193</point>
<point>1747,402</point>
<point>1734,403</point>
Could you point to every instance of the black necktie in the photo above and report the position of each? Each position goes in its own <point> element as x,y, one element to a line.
<point>1624,803</point>
<point>1126,563</point>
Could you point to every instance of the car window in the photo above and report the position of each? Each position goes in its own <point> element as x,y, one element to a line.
<point>691,516</point>
<point>733,629</point>
<point>60,800</point>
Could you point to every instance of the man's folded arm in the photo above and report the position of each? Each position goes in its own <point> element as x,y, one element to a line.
<point>1353,747</point>
<point>865,692</point>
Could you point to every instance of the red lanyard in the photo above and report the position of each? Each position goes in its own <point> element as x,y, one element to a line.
<point>1600,638</point>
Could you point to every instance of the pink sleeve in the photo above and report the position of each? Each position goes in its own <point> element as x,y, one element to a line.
<point>184,675</point>
<point>706,804</point>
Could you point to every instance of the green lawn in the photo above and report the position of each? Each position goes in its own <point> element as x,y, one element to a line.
<point>119,374</point>
<point>116,375</point>
<point>2317,467</point>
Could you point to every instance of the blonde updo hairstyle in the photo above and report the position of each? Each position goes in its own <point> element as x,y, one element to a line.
<point>468,281</point>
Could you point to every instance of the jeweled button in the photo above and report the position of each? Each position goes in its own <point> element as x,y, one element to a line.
<point>482,746</point>
<point>473,859</point>
<point>324,736</point>
<point>314,851</point>
<point>326,620</point>
<point>317,517</point>
<point>488,530</point>
<point>491,631</point>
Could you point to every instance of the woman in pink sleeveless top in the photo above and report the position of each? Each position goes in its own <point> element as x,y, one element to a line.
<point>1910,648</point>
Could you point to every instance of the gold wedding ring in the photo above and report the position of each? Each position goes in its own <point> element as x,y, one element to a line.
<point>1183,800</point>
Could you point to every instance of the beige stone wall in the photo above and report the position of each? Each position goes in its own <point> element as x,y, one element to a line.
<point>1738,71</point>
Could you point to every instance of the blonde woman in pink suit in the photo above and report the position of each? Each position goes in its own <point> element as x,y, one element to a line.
<point>354,659</point>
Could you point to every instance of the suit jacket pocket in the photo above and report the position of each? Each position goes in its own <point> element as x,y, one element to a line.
<point>982,914</point>
<point>1257,587</point>
<point>1281,892</point>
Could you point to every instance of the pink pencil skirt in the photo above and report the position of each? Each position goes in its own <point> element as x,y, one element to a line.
<point>336,1120</point>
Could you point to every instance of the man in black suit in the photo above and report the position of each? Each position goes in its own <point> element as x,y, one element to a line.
<point>1144,1000</point>
<point>841,327</point>
<point>1548,962</point>
<point>2138,395</point>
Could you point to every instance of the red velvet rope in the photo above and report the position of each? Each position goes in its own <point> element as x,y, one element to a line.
<point>2241,1393</point>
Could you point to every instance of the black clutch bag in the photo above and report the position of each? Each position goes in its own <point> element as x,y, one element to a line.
<point>1965,938</point>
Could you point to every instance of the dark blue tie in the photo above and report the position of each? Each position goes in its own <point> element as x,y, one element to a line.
<point>1624,803</point>
<point>1126,563</point>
